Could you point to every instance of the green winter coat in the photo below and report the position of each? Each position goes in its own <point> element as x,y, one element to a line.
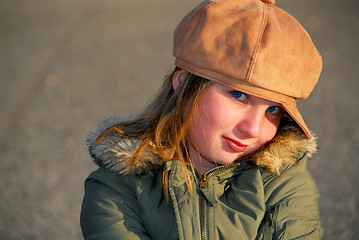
<point>244,200</point>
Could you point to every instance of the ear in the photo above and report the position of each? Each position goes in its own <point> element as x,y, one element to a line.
<point>178,77</point>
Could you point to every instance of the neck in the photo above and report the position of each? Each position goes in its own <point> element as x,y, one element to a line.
<point>201,164</point>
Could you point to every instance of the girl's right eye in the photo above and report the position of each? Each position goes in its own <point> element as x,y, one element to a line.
<point>239,95</point>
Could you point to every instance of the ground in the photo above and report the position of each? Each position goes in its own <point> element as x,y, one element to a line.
<point>67,65</point>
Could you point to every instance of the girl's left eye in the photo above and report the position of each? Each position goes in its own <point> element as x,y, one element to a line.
<point>239,95</point>
<point>274,110</point>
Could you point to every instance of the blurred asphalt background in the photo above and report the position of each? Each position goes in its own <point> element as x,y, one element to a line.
<point>67,65</point>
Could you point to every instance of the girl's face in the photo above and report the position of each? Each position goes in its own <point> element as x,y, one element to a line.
<point>228,125</point>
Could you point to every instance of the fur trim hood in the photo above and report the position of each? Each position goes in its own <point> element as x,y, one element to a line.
<point>115,152</point>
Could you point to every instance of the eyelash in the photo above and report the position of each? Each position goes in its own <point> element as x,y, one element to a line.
<point>276,111</point>
<point>235,95</point>
<point>238,95</point>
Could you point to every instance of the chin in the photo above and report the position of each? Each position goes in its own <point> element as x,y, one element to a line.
<point>228,160</point>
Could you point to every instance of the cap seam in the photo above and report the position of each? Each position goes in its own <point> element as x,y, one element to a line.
<point>214,79</point>
<point>200,17</point>
<point>258,44</point>
<point>210,4</point>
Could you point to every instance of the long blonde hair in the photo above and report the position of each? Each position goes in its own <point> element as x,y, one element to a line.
<point>163,126</point>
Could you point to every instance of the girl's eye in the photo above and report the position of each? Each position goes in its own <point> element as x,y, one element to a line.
<point>274,110</point>
<point>239,95</point>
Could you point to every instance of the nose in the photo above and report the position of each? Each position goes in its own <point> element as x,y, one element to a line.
<point>250,124</point>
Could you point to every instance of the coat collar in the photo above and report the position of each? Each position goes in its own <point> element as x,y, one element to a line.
<point>115,151</point>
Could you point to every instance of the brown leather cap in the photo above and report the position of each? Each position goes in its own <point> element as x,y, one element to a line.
<point>252,46</point>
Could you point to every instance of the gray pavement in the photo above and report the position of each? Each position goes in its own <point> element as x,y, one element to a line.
<point>67,65</point>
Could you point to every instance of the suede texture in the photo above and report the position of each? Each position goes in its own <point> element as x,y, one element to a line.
<point>252,46</point>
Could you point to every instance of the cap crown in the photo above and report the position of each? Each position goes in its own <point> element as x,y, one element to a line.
<point>238,42</point>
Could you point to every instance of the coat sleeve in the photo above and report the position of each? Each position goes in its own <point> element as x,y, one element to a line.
<point>110,212</point>
<point>295,205</point>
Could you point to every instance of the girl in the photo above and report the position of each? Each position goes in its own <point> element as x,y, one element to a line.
<point>222,151</point>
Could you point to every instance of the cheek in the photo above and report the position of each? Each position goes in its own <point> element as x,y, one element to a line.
<point>201,125</point>
<point>268,132</point>
<point>213,115</point>
<point>197,127</point>
<point>206,123</point>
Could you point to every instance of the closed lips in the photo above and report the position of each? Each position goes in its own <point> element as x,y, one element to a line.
<point>234,145</point>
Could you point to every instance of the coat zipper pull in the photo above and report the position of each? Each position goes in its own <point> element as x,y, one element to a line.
<point>204,180</point>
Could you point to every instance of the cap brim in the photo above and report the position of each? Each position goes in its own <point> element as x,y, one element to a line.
<point>297,117</point>
<point>289,103</point>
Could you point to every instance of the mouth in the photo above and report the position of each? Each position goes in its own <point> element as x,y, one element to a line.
<point>234,145</point>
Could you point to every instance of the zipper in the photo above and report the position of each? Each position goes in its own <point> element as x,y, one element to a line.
<point>206,176</point>
<point>203,184</point>
<point>203,218</point>
<point>204,180</point>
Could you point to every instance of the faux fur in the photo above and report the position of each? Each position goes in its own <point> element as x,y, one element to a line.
<point>289,145</point>
<point>115,151</point>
